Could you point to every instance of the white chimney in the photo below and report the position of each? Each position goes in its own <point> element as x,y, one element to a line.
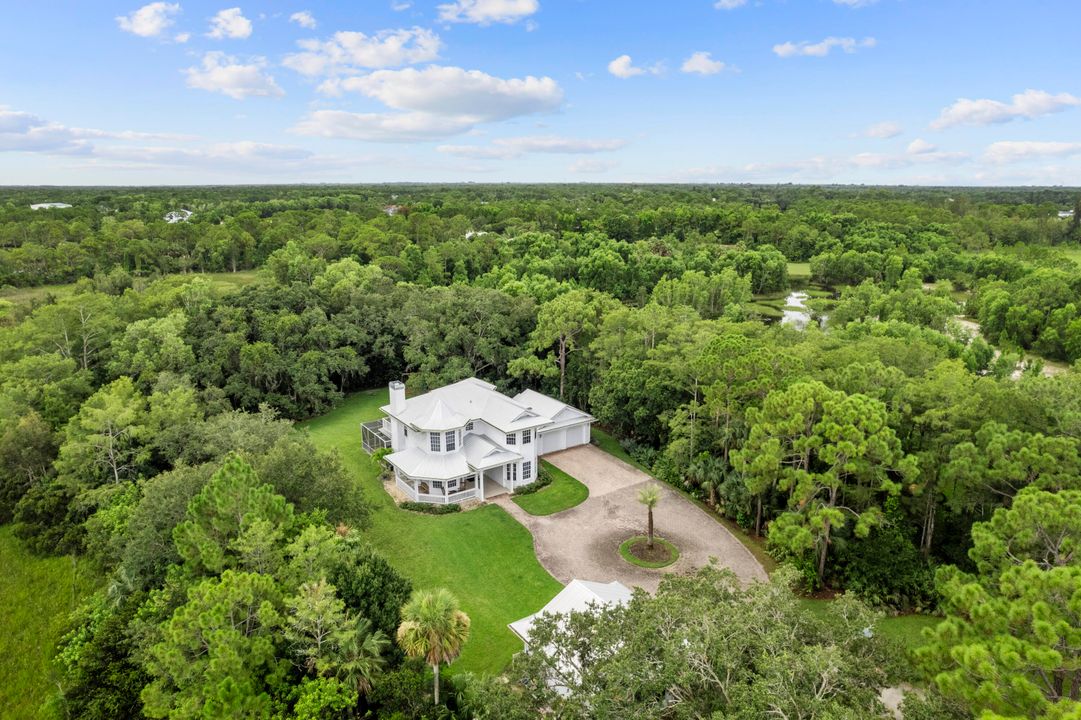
<point>397,396</point>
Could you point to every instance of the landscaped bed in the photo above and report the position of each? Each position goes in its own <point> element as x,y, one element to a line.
<point>636,551</point>
<point>563,493</point>
<point>485,556</point>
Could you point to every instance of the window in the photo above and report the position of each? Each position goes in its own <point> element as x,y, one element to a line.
<point>527,469</point>
<point>469,426</point>
<point>433,438</point>
<point>512,473</point>
<point>527,437</point>
<point>451,440</point>
<point>512,439</point>
<point>406,429</point>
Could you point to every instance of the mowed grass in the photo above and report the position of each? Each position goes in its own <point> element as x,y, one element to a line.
<point>905,630</point>
<point>483,556</point>
<point>225,281</point>
<point>564,493</point>
<point>799,271</point>
<point>37,595</point>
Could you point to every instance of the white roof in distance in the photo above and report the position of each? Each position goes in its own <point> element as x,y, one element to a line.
<point>561,413</point>
<point>578,596</point>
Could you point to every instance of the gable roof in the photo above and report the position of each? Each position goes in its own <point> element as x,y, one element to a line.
<point>560,412</point>
<point>452,406</point>
<point>578,596</point>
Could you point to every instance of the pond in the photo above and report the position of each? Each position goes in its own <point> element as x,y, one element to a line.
<point>796,313</point>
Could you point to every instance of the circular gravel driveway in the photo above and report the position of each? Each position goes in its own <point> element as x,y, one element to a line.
<point>583,542</point>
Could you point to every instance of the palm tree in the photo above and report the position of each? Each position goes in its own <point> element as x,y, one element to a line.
<point>434,628</point>
<point>361,656</point>
<point>649,496</point>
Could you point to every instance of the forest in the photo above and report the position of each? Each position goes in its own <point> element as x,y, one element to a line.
<point>877,389</point>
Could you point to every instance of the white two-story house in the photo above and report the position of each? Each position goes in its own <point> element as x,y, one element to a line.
<point>467,440</point>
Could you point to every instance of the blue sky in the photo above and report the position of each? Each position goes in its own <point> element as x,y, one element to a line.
<point>845,91</point>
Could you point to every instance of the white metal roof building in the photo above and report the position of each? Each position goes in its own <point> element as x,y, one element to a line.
<point>578,596</point>
<point>468,440</point>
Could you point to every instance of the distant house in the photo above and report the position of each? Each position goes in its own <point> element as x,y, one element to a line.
<point>469,441</point>
<point>177,216</point>
<point>1065,214</point>
<point>392,210</point>
<point>49,206</point>
<point>578,596</point>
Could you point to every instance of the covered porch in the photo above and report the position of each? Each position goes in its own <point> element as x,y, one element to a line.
<point>444,492</point>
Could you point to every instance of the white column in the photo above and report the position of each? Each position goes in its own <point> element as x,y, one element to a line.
<point>480,484</point>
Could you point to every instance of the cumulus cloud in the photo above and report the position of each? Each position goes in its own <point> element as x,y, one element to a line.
<point>822,48</point>
<point>349,52</point>
<point>304,19</point>
<point>182,37</point>
<point>855,3</point>
<point>1027,105</point>
<point>702,63</point>
<point>1009,151</point>
<point>919,146</point>
<point>624,67</point>
<point>504,148</point>
<point>150,20</point>
<point>225,74</point>
<point>432,103</point>
<point>486,12</point>
<point>883,130</point>
<point>229,24</point>
<point>729,4</point>
<point>401,6</point>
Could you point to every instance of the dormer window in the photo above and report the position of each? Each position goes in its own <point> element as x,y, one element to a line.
<point>469,426</point>
<point>451,438</point>
<point>435,442</point>
<point>512,438</point>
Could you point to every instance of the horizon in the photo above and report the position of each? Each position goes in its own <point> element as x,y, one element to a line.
<point>859,93</point>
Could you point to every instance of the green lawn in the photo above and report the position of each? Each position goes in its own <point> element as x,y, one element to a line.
<point>906,630</point>
<point>608,442</point>
<point>37,595</point>
<point>483,556</point>
<point>565,492</point>
<point>225,281</point>
<point>799,271</point>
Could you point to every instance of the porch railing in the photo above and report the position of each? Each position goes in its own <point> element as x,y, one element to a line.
<point>454,497</point>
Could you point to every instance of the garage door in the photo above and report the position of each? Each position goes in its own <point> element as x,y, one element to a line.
<point>553,441</point>
<point>578,435</point>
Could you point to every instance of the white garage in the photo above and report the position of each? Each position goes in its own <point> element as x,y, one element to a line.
<point>569,428</point>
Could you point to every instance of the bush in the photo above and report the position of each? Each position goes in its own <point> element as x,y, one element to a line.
<point>430,508</point>
<point>544,479</point>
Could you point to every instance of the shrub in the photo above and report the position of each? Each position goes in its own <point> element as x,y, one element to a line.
<point>544,479</point>
<point>430,508</point>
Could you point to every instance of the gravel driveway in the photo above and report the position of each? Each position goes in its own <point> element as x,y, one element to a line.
<point>583,542</point>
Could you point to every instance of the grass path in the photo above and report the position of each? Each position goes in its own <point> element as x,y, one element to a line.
<point>564,493</point>
<point>37,594</point>
<point>483,556</point>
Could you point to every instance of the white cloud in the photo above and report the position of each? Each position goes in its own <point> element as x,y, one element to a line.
<point>702,63</point>
<point>149,20</point>
<point>26,132</point>
<point>486,12</point>
<point>226,75</point>
<point>459,92</point>
<point>729,4</point>
<point>624,67</point>
<point>229,23</point>
<point>304,19</point>
<point>433,103</point>
<point>1009,151</point>
<point>919,146</point>
<point>855,3</point>
<point>883,130</point>
<point>347,52</point>
<point>504,148</point>
<point>1028,105</point>
<point>822,49</point>
<point>182,37</point>
<point>591,165</point>
<point>401,6</point>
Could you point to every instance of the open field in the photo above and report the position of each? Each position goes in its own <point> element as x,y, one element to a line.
<point>37,595</point>
<point>224,281</point>
<point>564,493</point>
<point>483,556</point>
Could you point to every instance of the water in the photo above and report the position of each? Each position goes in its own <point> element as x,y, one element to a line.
<point>796,313</point>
